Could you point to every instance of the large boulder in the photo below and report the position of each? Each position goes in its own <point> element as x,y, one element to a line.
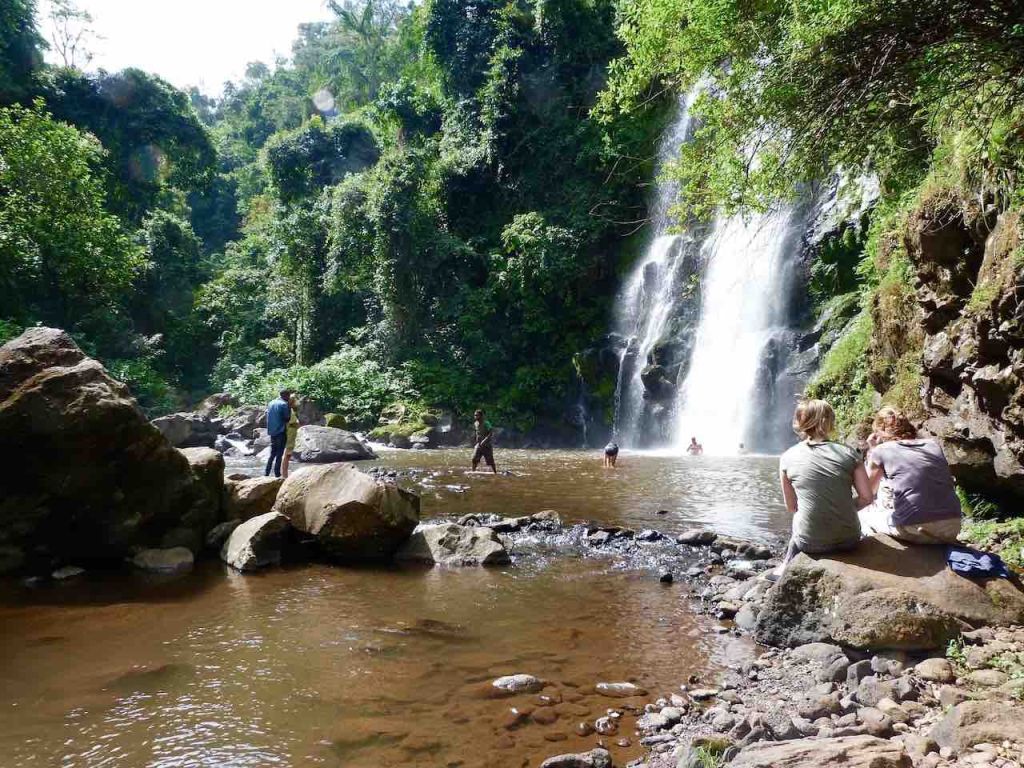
<point>256,543</point>
<point>244,420</point>
<point>884,594</point>
<point>979,722</point>
<point>325,445</point>
<point>846,751</point>
<point>352,515</point>
<point>248,497</point>
<point>450,544</point>
<point>94,479</point>
<point>212,406</point>
<point>188,430</point>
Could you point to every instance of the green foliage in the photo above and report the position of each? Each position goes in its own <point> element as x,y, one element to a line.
<point>811,86</point>
<point>843,376</point>
<point>61,253</point>
<point>149,387</point>
<point>976,506</point>
<point>20,45</point>
<point>301,162</point>
<point>349,383</point>
<point>152,135</point>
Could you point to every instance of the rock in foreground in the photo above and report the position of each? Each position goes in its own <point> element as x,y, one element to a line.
<point>847,751</point>
<point>352,515</point>
<point>324,445</point>
<point>249,497</point>
<point>95,480</point>
<point>882,595</point>
<point>454,545</point>
<point>595,758</point>
<point>256,543</point>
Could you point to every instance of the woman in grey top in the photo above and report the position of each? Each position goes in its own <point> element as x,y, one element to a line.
<point>915,500</point>
<point>818,479</point>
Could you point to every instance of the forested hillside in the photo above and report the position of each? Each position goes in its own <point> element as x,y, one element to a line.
<point>418,205</point>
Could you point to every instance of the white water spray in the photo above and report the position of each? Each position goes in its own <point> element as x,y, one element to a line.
<point>745,305</point>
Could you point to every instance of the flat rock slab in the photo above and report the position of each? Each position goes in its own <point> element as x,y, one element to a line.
<point>884,594</point>
<point>595,758</point>
<point>846,751</point>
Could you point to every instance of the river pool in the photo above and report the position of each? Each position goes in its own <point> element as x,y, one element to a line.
<point>325,666</point>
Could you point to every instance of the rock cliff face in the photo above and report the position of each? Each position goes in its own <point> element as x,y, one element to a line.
<point>969,264</point>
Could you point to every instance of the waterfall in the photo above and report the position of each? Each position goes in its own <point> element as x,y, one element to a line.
<point>746,309</point>
<point>646,306</point>
<point>707,323</point>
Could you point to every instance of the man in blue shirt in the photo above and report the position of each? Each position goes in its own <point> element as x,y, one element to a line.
<point>278,414</point>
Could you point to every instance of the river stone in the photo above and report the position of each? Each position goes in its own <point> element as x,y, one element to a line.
<point>245,420</point>
<point>256,543</point>
<point>936,670</point>
<point>324,445</point>
<point>746,617</point>
<point>454,545</point>
<point>251,497</point>
<point>164,560</point>
<point>979,722</point>
<point>819,653</point>
<point>987,678</point>
<point>846,751</point>
<point>208,508</point>
<point>94,480</point>
<point>519,683</point>
<point>354,517</point>
<point>188,430</point>
<point>619,690</point>
<point>220,533</point>
<point>697,537</point>
<point>595,758</point>
<point>883,595</point>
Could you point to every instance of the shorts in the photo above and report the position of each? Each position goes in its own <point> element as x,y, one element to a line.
<point>877,518</point>
<point>611,450</point>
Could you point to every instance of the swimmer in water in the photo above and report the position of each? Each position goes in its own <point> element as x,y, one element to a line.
<point>694,448</point>
<point>611,454</point>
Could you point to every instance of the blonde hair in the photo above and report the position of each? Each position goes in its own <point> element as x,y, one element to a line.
<point>293,401</point>
<point>892,424</point>
<point>814,419</point>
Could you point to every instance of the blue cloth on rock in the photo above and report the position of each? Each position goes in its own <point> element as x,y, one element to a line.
<point>976,565</point>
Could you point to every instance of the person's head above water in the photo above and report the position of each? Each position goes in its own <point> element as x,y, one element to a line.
<point>892,424</point>
<point>814,420</point>
<point>693,441</point>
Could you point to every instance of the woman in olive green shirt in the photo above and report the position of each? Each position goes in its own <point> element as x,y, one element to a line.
<point>291,432</point>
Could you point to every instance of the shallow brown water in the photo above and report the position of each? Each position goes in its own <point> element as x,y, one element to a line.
<point>322,666</point>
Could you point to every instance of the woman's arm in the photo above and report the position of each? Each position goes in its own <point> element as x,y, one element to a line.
<point>875,473</point>
<point>788,492</point>
<point>861,483</point>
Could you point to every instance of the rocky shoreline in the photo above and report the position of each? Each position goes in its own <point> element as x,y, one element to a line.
<point>819,703</point>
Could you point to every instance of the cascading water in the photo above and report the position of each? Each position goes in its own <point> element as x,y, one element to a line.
<point>707,324</point>
<point>746,308</point>
<point>648,305</point>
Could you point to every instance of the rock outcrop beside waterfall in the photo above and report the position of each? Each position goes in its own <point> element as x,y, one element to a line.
<point>969,321</point>
<point>94,479</point>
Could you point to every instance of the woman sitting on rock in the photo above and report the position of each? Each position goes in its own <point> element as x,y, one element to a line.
<point>915,500</point>
<point>818,476</point>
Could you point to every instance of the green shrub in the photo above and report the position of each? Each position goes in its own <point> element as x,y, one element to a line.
<point>150,388</point>
<point>349,383</point>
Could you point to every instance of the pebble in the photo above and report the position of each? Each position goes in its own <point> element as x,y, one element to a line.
<point>518,684</point>
<point>619,690</point>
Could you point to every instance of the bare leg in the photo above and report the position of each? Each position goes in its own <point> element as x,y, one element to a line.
<point>285,462</point>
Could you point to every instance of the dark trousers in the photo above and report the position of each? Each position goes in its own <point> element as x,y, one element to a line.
<point>485,452</point>
<point>276,453</point>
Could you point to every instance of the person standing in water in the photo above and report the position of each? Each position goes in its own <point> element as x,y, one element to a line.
<point>291,433</point>
<point>611,454</point>
<point>278,414</point>
<point>694,448</point>
<point>484,442</point>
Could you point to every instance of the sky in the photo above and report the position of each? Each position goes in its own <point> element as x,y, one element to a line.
<point>192,42</point>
